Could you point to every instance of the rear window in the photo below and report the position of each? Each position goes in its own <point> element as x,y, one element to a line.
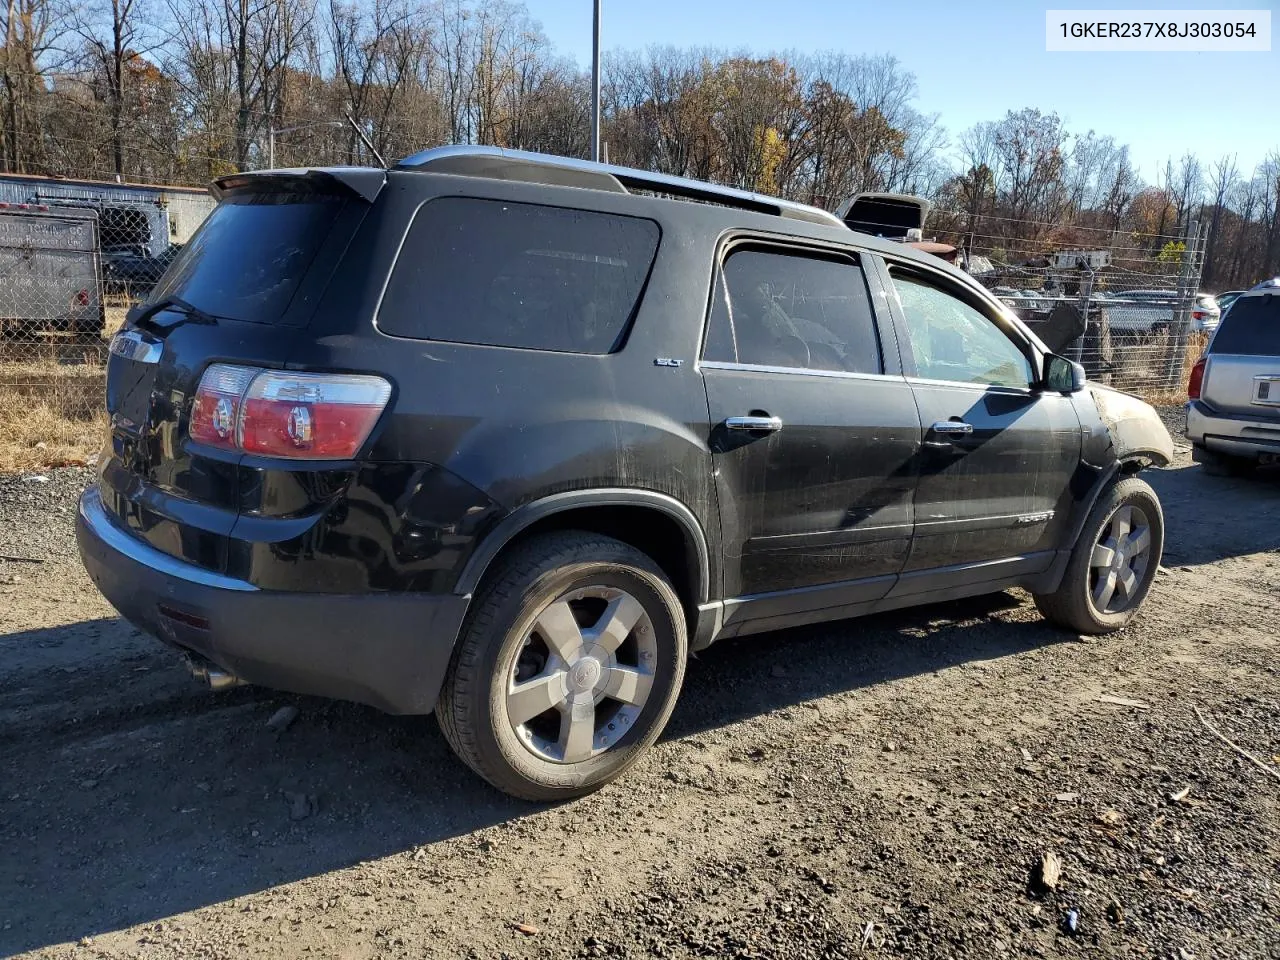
<point>518,275</point>
<point>247,258</point>
<point>1251,328</point>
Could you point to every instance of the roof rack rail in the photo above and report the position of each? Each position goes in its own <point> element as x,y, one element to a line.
<point>499,163</point>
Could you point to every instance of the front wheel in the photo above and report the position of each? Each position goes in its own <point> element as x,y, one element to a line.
<point>568,668</point>
<point>1113,564</point>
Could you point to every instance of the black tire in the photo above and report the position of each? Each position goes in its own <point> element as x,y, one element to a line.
<point>1072,605</point>
<point>472,710</point>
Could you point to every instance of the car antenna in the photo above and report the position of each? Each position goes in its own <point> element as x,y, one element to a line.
<point>367,142</point>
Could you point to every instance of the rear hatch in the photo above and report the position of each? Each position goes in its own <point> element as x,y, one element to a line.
<point>1242,374</point>
<point>243,290</point>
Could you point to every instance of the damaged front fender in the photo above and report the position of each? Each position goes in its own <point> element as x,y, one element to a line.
<point>1136,430</point>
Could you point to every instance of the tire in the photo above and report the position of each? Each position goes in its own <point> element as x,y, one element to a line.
<point>517,637</point>
<point>1076,604</point>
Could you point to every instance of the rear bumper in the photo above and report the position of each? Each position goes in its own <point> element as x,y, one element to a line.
<point>1239,436</point>
<point>389,650</point>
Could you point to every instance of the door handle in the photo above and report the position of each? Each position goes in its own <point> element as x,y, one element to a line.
<point>949,430</point>
<point>754,424</point>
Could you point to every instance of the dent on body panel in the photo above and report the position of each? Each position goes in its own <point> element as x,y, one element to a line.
<point>1133,426</point>
<point>584,445</point>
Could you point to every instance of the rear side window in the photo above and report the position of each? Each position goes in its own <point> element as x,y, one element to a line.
<point>792,310</point>
<point>247,258</point>
<point>1251,328</point>
<point>518,275</point>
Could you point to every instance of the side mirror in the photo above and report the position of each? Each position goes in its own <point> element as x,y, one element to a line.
<point>1062,375</point>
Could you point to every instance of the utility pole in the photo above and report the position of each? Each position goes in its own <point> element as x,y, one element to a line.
<point>595,84</point>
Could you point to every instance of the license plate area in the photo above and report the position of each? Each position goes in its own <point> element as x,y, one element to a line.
<point>1266,390</point>
<point>131,374</point>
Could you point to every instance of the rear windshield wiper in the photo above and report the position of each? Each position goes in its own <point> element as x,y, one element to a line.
<point>188,312</point>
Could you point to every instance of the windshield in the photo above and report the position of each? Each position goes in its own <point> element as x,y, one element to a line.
<point>247,258</point>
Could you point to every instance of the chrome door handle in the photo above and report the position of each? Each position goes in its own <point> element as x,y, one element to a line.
<point>754,424</point>
<point>951,428</point>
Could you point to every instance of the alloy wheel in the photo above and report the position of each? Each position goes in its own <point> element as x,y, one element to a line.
<point>1120,559</point>
<point>583,674</point>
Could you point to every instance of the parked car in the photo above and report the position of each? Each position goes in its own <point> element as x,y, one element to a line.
<point>136,272</point>
<point>507,437</point>
<point>1153,311</point>
<point>1205,314</point>
<point>1225,300</point>
<point>1233,409</point>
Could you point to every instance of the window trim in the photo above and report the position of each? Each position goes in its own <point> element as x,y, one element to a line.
<point>735,241</point>
<point>624,334</point>
<point>1012,330</point>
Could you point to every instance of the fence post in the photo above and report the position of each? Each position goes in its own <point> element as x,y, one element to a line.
<point>1076,352</point>
<point>1188,285</point>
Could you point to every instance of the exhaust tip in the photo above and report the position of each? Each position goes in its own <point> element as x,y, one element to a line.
<point>213,675</point>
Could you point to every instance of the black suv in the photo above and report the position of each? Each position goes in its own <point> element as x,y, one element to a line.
<point>506,436</point>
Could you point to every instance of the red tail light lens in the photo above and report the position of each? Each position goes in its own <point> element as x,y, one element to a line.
<point>301,416</point>
<point>312,416</point>
<point>1196,383</point>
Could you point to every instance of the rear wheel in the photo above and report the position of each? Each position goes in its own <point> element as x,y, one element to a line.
<point>568,668</point>
<point>1113,563</point>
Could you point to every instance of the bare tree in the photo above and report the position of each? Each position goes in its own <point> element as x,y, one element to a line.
<point>1225,174</point>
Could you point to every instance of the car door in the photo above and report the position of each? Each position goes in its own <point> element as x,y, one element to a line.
<point>998,453</point>
<point>814,437</point>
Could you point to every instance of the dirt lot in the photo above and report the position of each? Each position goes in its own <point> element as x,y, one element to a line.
<point>883,786</point>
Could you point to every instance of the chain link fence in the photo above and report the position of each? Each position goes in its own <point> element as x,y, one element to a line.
<point>72,263</point>
<point>1129,309</point>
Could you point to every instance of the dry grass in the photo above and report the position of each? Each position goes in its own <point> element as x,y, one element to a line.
<point>43,437</point>
<point>51,414</point>
<point>1173,396</point>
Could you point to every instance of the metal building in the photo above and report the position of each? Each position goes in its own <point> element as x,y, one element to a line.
<point>172,214</point>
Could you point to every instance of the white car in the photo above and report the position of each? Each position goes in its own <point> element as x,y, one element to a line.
<point>1153,311</point>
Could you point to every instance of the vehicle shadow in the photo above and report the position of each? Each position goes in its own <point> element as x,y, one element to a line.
<point>1245,514</point>
<point>132,795</point>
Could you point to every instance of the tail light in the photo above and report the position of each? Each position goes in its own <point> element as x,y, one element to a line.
<point>1196,383</point>
<point>301,416</point>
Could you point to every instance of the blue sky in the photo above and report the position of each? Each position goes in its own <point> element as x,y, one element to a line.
<point>974,61</point>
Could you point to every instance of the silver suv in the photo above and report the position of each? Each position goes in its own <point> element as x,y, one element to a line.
<point>1233,414</point>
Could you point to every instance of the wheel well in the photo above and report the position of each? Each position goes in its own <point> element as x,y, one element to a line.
<point>654,533</point>
<point>1132,466</point>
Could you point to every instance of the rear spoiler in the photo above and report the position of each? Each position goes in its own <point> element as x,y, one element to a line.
<point>363,182</point>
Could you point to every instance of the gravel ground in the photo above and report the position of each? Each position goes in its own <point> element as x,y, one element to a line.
<point>882,786</point>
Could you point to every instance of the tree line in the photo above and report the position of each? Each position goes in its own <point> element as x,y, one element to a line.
<point>180,91</point>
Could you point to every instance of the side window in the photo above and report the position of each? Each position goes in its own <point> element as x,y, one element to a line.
<point>518,275</point>
<point>793,310</point>
<point>953,341</point>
